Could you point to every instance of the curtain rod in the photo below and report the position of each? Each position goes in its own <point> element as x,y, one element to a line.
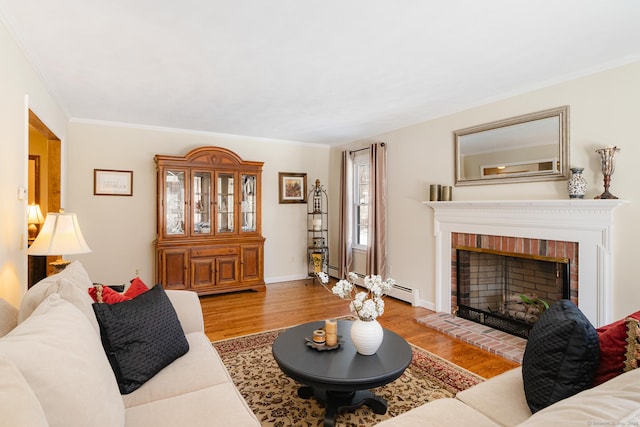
<point>362,149</point>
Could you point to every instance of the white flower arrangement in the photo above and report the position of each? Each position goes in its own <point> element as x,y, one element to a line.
<point>367,305</point>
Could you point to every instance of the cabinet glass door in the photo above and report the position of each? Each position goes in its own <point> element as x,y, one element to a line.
<point>225,203</point>
<point>249,214</point>
<point>201,188</point>
<point>174,206</point>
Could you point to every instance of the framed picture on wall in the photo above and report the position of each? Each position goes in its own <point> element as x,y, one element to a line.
<point>292,187</point>
<point>108,182</point>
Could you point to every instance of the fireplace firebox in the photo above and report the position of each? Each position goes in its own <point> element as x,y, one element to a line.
<point>508,291</point>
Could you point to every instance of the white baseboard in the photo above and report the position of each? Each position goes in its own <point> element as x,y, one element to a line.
<point>430,305</point>
<point>290,278</point>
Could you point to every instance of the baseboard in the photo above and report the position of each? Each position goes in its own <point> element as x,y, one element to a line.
<point>285,278</point>
<point>425,304</point>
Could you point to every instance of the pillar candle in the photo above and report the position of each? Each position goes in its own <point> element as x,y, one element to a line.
<point>446,193</point>
<point>433,192</point>
<point>319,337</point>
<point>331,329</point>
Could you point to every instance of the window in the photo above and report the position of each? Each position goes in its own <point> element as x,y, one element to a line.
<point>361,199</point>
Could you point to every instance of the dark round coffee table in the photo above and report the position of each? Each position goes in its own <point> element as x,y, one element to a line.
<point>341,378</point>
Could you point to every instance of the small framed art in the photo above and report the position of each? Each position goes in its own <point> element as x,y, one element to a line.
<point>108,182</point>
<point>292,187</point>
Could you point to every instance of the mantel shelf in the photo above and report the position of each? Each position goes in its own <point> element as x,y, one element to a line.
<point>588,204</point>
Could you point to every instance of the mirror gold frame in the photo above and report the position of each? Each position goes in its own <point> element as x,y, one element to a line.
<point>527,148</point>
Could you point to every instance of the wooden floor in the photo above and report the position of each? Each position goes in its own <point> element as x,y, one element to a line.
<point>290,303</point>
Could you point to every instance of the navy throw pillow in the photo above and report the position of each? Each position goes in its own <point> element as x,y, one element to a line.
<point>140,337</point>
<point>561,356</point>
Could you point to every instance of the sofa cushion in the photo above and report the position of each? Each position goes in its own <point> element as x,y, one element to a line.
<point>19,405</point>
<point>199,368</point>
<point>8,317</point>
<point>613,345</point>
<point>187,306</point>
<point>219,405</point>
<point>140,337</point>
<point>440,413</point>
<point>488,397</point>
<point>614,403</point>
<point>74,275</point>
<point>60,356</point>
<point>561,356</point>
<point>69,292</point>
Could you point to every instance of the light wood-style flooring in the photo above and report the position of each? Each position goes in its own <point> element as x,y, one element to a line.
<point>290,303</point>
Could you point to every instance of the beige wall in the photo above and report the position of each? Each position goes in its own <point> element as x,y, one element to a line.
<point>21,89</point>
<point>121,230</point>
<point>605,109</point>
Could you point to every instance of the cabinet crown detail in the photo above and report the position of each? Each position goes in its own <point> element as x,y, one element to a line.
<point>209,222</point>
<point>211,156</point>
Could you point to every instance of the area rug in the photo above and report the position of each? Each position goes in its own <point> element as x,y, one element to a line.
<point>273,397</point>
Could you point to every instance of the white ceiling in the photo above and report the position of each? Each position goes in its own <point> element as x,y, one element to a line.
<point>327,71</point>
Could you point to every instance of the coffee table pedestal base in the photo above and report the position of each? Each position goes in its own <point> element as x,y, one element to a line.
<point>337,402</point>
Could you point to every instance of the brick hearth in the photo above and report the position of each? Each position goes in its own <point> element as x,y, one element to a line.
<point>489,339</point>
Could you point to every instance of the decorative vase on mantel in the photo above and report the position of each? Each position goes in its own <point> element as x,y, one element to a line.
<point>366,336</point>
<point>608,166</point>
<point>577,184</point>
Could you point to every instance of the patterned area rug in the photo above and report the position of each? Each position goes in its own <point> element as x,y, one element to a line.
<point>273,396</point>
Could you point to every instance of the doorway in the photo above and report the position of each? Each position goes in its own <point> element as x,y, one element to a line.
<point>44,187</point>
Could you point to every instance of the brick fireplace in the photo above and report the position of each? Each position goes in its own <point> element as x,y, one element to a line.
<point>490,273</point>
<point>580,230</point>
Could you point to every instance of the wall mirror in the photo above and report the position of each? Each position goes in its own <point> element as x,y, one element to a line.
<point>532,147</point>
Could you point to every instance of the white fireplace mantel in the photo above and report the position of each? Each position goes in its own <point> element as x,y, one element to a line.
<point>588,222</point>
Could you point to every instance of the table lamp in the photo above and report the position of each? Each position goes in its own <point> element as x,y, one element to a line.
<point>34,219</point>
<point>60,235</point>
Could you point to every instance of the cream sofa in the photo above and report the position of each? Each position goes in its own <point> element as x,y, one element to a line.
<point>54,372</point>
<point>500,401</point>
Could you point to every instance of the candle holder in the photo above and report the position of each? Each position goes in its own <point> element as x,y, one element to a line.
<point>608,166</point>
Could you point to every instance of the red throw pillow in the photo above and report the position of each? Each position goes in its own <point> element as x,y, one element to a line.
<point>109,296</point>
<point>613,347</point>
<point>137,287</point>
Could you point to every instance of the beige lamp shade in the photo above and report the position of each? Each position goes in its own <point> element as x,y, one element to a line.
<point>34,219</point>
<point>34,214</point>
<point>60,235</point>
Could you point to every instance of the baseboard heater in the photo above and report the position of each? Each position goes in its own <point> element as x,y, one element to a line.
<point>403,293</point>
<point>397,291</point>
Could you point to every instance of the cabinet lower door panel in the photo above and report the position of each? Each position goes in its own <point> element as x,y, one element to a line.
<point>202,273</point>
<point>226,270</point>
<point>251,265</point>
<point>174,268</point>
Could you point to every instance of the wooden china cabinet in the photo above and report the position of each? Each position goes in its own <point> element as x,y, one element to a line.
<point>209,222</point>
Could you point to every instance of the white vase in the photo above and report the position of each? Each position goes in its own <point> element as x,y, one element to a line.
<point>577,184</point>
<point>366,336</point>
